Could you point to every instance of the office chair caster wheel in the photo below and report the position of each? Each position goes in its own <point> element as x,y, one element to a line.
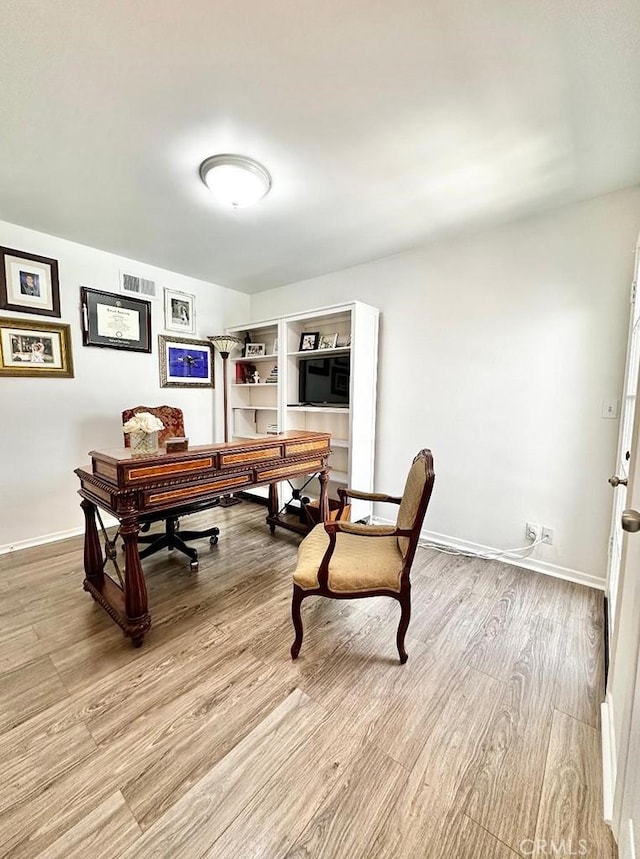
<point>194,566</point>
<point>213,541</point>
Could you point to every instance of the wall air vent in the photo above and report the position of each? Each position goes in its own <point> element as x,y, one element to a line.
<point>132,284</point>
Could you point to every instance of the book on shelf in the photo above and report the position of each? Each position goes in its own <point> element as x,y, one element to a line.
<point>244,373</point>
<point>273,375</point>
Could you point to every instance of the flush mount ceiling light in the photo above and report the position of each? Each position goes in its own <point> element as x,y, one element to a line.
<point>235,180</point>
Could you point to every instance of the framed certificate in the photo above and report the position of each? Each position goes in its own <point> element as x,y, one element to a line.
<point>115,321</point>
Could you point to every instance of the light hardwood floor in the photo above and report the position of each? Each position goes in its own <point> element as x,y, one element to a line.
<point>209,741</point>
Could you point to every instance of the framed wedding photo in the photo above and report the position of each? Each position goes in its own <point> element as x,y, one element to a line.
<point>115,321</point>
<point>179,311</point>
<point>185,363</point>
<point>35,349</point>
<point>29,283</point>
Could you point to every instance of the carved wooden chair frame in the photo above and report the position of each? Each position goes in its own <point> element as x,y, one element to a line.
<point>403,595</point>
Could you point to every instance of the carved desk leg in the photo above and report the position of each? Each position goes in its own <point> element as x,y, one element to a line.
<point>138,620</point>
<point>93,565</point>
<point>324,498</point>
<point>274,504</point>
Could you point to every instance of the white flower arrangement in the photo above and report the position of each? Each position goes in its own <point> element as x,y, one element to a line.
<point>143,422</point>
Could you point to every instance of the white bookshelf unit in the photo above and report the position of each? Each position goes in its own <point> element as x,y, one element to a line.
<point>258,409</point>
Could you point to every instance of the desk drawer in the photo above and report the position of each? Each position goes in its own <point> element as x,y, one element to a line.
<point>162,496</point>
<point>297,447</point>
<point>289,470</point>
<point>158,471</point>
<point>248,457</point>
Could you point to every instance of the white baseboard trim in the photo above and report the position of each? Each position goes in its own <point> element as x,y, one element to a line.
<point>608,758</point>
<point>533,564</point>
<point>51,538</point>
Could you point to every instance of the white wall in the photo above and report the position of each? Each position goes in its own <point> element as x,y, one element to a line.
<point>48,426</point>
<point>496,352</point>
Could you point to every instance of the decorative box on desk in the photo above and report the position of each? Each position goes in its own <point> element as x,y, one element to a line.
<point>137,490</point>
<point>174,445</point>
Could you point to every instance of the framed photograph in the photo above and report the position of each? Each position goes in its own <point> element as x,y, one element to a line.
<point>185,363</point>
<point>309,341</point>
<point>115,321</point>
<point>179,311</point>
<point>327,341</point>
<point>35,349</point>
<point>29,283</point>
<point>252,350</point>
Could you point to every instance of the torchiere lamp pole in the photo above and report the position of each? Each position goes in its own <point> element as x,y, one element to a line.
<point>224,344</point>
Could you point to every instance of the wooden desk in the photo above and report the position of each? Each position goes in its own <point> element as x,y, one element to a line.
<point>139,489</point>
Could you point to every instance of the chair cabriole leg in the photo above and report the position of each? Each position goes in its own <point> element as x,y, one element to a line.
<point>405,617</point>
<point>298,596</point>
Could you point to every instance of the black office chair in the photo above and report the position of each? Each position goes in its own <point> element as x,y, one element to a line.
<point>173,537</point>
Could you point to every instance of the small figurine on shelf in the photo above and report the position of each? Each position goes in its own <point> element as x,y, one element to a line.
<point>256,378</point>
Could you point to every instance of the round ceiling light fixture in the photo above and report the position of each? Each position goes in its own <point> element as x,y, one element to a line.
<point>235,180</point>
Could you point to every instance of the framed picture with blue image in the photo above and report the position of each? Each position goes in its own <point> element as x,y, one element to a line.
<point>185,363</point>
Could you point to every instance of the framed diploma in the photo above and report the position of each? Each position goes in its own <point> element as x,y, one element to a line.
<point>115,321</point>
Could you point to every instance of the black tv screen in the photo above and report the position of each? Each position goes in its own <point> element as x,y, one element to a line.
<point>325,380</point>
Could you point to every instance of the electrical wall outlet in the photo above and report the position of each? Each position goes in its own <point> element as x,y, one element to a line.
<point>547,535</point>
<point>532,531</point>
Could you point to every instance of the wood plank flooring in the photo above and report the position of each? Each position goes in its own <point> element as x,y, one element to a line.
<point>210,742</point>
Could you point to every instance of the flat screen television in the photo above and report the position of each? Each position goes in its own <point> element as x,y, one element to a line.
<point>325,381</point>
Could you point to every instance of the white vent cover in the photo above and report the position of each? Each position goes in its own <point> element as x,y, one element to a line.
<point>132,284</point>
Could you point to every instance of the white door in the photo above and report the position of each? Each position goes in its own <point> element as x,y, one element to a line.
<point>619,479</point>
<point>622,709</point>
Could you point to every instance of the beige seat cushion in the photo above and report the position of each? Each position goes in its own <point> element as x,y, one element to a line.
<point>358,563</point>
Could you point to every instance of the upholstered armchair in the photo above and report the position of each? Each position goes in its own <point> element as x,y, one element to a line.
<point>342,560</point>
<point>173,537</point>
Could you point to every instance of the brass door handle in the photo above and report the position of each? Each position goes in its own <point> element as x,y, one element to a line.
<point>630,521</point>
<point>618,481</point>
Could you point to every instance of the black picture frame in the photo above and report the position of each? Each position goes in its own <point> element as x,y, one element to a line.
<point>115,321</point>
<point>309,341</point>
<point>29,283</point>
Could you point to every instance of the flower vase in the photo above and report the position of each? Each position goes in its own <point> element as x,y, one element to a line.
<point>143,443</point>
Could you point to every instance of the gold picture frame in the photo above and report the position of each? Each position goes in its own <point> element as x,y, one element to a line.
<point>35,349</point>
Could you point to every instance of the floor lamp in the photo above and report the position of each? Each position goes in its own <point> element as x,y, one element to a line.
<point>224,344</point>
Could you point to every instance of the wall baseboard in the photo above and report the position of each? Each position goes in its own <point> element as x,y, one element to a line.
<point>533,564</point>
<point>425,537</point>
<point>608,758</point>
<point>109,521</point>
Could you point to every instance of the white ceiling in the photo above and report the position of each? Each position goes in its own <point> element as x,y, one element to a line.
<point>383,124</point>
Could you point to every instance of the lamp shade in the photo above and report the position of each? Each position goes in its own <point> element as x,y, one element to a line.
<point>235,180</point>
<point>224,343</point>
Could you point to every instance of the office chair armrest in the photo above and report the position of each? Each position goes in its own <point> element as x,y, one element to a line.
<point>367,496</point>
